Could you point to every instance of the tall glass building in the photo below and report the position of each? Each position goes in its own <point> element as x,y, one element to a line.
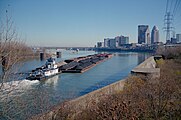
<point>143,34</point>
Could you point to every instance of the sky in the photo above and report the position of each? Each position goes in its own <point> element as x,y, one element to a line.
<point>82,23</point>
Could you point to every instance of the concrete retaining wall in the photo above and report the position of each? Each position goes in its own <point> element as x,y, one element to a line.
<point>148,63</point>
<point>84,101</point>
<point>147,68</point>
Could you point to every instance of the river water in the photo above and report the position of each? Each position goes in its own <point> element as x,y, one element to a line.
<point>34,97</point>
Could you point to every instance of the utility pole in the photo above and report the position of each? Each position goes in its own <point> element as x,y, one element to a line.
<point>168,26</point>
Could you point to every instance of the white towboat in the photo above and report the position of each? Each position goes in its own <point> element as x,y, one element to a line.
<point>48,70</point>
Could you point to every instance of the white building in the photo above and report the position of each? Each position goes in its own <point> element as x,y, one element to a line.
<point>155,35</point>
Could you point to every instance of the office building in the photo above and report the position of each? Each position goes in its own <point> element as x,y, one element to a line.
<point>143,34</point>
<point>106,43</point>
<point>122,40</point>
<point>117,40</point>
<point>112,43</point>
<point>155,35</point>
<point>178,37</point>
<point>173,40</point>
<point>100,44</point>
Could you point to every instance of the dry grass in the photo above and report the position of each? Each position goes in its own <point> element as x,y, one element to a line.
<point>150,99</point>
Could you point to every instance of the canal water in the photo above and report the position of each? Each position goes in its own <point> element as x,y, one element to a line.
<point>34,97</point>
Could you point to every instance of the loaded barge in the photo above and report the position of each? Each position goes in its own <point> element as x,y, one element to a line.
<point>76,65</point>
<point>82,64</point>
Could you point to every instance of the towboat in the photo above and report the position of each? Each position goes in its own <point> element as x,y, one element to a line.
<point>48,70</point>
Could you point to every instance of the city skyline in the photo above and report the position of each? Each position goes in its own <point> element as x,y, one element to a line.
<point>83,23</point>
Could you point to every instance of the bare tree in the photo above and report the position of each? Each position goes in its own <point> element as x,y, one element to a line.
<point>13,51</point>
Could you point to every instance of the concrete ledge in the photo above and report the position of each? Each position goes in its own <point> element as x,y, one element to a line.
<point>147,68</point>
<point>148,63</point>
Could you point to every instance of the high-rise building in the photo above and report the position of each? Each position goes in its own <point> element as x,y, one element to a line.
<point>154,35</point>
<point>106,42</point>
<point>117,40</point>
<point>143,34</point>
<point>113,43</point>
<point>178,36</point>
<point>122,40</point>
<point>100,44</point>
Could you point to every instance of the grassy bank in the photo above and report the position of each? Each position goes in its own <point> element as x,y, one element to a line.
<point>151,99</point>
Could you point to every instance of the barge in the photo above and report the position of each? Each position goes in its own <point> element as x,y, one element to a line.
<point>82,64</point>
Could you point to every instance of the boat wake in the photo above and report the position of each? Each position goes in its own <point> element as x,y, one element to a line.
<point>17,87</point>
<point>23,84</point>
<point>52,81</point>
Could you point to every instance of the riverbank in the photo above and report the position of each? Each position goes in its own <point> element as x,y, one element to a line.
<point>75,107</point>
<point>148,50</point>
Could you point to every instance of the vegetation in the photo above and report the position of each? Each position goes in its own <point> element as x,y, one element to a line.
<point>170,52</point>
<point>152,99</point>
<point>13,51</point>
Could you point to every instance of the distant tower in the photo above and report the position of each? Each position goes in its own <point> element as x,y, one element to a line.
<point>143,34</point>
<point>168,26</point>
<point>154,35</point>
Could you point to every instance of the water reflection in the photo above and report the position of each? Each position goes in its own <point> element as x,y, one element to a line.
<point>52,81</point>
<point>142,57</point>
